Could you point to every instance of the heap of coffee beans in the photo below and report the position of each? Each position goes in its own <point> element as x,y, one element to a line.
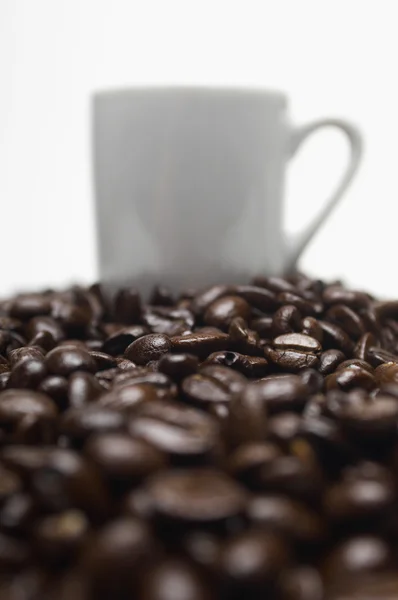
<point>236,443</point>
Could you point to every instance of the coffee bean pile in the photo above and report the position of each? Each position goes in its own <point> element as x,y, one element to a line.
<point>236,443</point>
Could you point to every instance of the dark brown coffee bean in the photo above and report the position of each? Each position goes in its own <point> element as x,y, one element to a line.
<point>257,297</point>
<point>277,393</point>
<point>203,549</point>
<point>312,379</point>
<point>65,360</point>
<point>21,409</point>
<point>246,462</point>
<point>378,356</point>
<point>175,429</point>
<point>118,341</point>
<point>79,423</point>
<point>339,295</point>
<point>147,348</point>
<point>56,538</point>
<point>253,558</point>
<point>329,361</point>
<point>327,440</point>
<point>293,476</point>
<point>287,517</point>
<point>175,579</point>
<point>283,428</point>
<point>250,366</point>
<point>115,556</point>
<point>25,353</point>
<point>44,324</point>
<point>83,388</point>
<point>73,318</point>
<point>386,373</point>
<point>287,319</point>
<point>311,327</point>
<point>231,380</point>
<point>359,498</point>
<point>169,321</point>
<point>247,419</point>
<point>201,390</point>
<point>370,420</point>
<point>43,340</point>
<point>127,306</point>
<point>243,339</point>
<point>123,364</point>
<point>27,373</point>
<point>128,397</point>
<point>27,306</point>
<point>358,556</point>
<point>123,458</point>
<point>386,309</point>
<point>301,583</point>
<point>297,341</point>
<point>202,496</point>
<point>178,366</point>
<point>305,307</point>
<point>336,338</point>
<point>275,284</point>
<point>221,312</point>
<point>161,296</point>
<point>17,513</point>
<point>56,387</point>
<point>350,377</point>
<point>291,360</point>
<point>347,319</point>
<point>356,363</point>
<point>203,299</point>
<point>102,360</point>
<point>264,326</point>
<point>200,343</point>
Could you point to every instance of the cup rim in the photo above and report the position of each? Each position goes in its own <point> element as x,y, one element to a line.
<point>194,89</point>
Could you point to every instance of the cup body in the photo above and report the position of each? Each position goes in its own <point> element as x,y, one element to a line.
<point>189,185</point>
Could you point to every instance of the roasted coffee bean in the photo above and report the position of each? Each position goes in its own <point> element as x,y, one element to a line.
<point>329,443</point>
<point>250,366</point>
<point>293,476</point>
<point>203,549</point>
<point>178,366</point>
<point>291,360</point>
<point>231,380</point>
<point>275,284</point>
<point>386,373</point>
<point>45,324</point>
<point>311,327</point>
<point>257,297</point>
<point>115,556</point>
<point>25,353</point>
<point>74,319</point>
<point>29,305</point>
<point>247,418</point>
<point>27,373</point>
<point>301,583</point>
<point>201,343</point>
<point>128,397</point>
<point>43,340</point>
<point>329,361</point>
<point>123,458</point>
<point>222,312</point>
<point>58,537</point>
<point>370,420</point>
<point>247,461</point>
<point>305,307</point>
<point>17,513</point>
<point>204,299</point>
<point>358,497</point>
<point>347,319</point>
<point>127,306</point>
<point>117,342</point>
<point>287,517</point>
<point>358,556</point>
<point>175,579</point>
<point>147,348</point>
<point>287,319</point>
<point>83,388</point>
<point>27,413</point>
<point>77,424</point>
<point>339,295</point>
<point>202,496</point>
<point>350,377</point>
<point>103,360</point>
<point>264,326</point>
<point>64,360</point>
<point>178,430</point>
<point>336,338</point>
<point>168,321</point>
<point>253,558</point>
<point>242,338</point>
<point>277,394</point>
<point>312,379</point>
<point>201,390</point>
<point>378,356</point>
<point>56,387</point>
<point>297,341</point>
<point>161,296</point>
<point>283,428</point>
<point>356,363</point>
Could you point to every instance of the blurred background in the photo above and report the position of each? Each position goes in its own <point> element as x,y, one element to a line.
<point>332,58</point>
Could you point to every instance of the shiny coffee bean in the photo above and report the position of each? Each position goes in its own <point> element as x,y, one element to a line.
<point>365,342</point>
<point>349,378</point>
<point>291,360</point>
<point>339,295</point>
<point>202,496</point>
<point>27,373</point>
<point>312,379</point>
<point>232,381</point>
<point>118,341</point>
<point>253,558</point>
<point>358,556</point>
<point>27,306</point>
<point>45,324</point>
<point>284,427</point>
<point>128,397</point>
<point>103,360</point>
<point>201,389</point>
<point>23,410</point>
<point>311,327</point>
<point>56,387</point>
<point>83,388</point>
<point>175,579</point>
<point>293,476</point>
<point>25,353</point>
<point>200,343</point>
<point>305,307</point>
<point>77,424</point>
<point>205,298</point>
<point>372,420</point>
<point>297,341</point>
<point>276,394</point>
<point>347,319</point>
<point>247,460</point>
<point>301,583</point>
<point>175,429</point>
<point>243,339</point>
<point>334,337</point>
<point>250,366</point>
<point>287,319</point>
<point>257,297</point>
<point>287,517</point>
<point>178,366</point>
<point>386,373</point>
<point>222,312</point>
<point>127,306</point>
<point>123,458</point>
<point>149,347</point>
<point>65,360</point>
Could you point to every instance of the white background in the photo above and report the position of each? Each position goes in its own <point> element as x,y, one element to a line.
<point>335,58</point>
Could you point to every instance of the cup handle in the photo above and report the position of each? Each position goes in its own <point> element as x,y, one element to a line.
<point>299,241</point>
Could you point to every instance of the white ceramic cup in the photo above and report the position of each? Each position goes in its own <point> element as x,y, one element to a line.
<point>190,184</point>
